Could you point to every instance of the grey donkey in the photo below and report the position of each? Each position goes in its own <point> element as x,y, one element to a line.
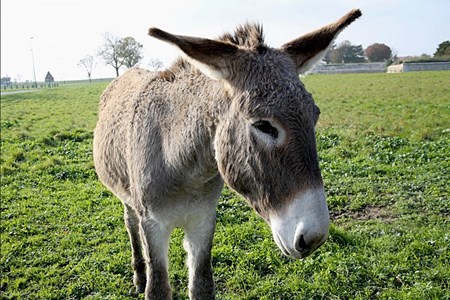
<point>232,110</point>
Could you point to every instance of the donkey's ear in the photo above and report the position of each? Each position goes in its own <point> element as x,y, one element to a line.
<point>211,57</point>
<point>311,47</point>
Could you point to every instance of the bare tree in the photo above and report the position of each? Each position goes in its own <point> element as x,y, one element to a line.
<point>130,51</point>
<point>88,62</point>
<point>110,51</point>
<point>155,64</point>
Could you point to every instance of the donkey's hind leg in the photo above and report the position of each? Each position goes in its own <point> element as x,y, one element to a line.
<point>137,261</point>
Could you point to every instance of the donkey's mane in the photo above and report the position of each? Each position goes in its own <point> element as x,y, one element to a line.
<point>249,35</point>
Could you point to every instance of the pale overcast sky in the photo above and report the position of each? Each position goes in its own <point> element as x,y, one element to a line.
<point>65,31</point>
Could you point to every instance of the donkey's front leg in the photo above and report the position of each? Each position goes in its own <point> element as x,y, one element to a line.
<point>199,234</point>
<point>155,239</point>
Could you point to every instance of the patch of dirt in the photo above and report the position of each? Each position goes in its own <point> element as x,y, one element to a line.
<point>367,213</point>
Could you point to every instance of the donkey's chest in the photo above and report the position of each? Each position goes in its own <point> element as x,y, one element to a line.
<point>184,201</point>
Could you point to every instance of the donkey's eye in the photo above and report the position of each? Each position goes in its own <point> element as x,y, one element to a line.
<point>266,127</point>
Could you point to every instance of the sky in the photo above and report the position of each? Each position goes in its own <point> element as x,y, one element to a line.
<point>59,33</point>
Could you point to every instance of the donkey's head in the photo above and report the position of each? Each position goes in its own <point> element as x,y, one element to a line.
<point>265,143</point>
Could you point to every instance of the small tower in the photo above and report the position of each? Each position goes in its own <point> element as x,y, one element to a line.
<point>49,78</point>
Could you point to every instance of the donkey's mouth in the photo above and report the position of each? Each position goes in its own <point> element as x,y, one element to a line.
<point>294,253</point>
<point>280,245</point>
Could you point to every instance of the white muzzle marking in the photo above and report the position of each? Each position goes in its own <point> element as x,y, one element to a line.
<point>302,226</point>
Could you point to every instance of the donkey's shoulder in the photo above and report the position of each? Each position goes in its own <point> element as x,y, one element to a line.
<point>131,80</point>
<point>126,87</point>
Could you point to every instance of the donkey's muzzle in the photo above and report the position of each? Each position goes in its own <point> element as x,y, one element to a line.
<point>302,226</point>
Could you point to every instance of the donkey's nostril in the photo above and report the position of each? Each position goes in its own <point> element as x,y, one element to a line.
<point>300,244</point>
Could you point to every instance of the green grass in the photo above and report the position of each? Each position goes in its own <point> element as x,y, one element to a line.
<point>384,147</point>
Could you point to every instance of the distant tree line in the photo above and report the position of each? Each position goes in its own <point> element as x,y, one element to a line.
<point>346,52</point>
<point>118,52</point>
<point>442,53</point>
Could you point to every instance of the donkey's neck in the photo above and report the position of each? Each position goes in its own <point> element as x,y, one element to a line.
<point>196,104</point>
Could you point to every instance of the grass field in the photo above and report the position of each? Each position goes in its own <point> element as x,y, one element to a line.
<point>384,147</point>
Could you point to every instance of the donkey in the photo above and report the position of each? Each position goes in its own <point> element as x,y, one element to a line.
<point>232,110</point>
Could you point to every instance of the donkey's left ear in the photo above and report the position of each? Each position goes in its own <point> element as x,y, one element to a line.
<point>311,47</point>
<point>211,57</point>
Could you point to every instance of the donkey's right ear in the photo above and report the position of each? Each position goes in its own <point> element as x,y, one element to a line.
<point>306,50</point>
<point>211,57</point>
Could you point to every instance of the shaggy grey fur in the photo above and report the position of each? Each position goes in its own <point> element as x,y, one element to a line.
<point>165,143</point>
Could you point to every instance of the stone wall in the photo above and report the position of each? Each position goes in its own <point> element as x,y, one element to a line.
<point>379,68</point>
<point>414,67</point>
<point>426,66</point>
<point>350,68</point>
